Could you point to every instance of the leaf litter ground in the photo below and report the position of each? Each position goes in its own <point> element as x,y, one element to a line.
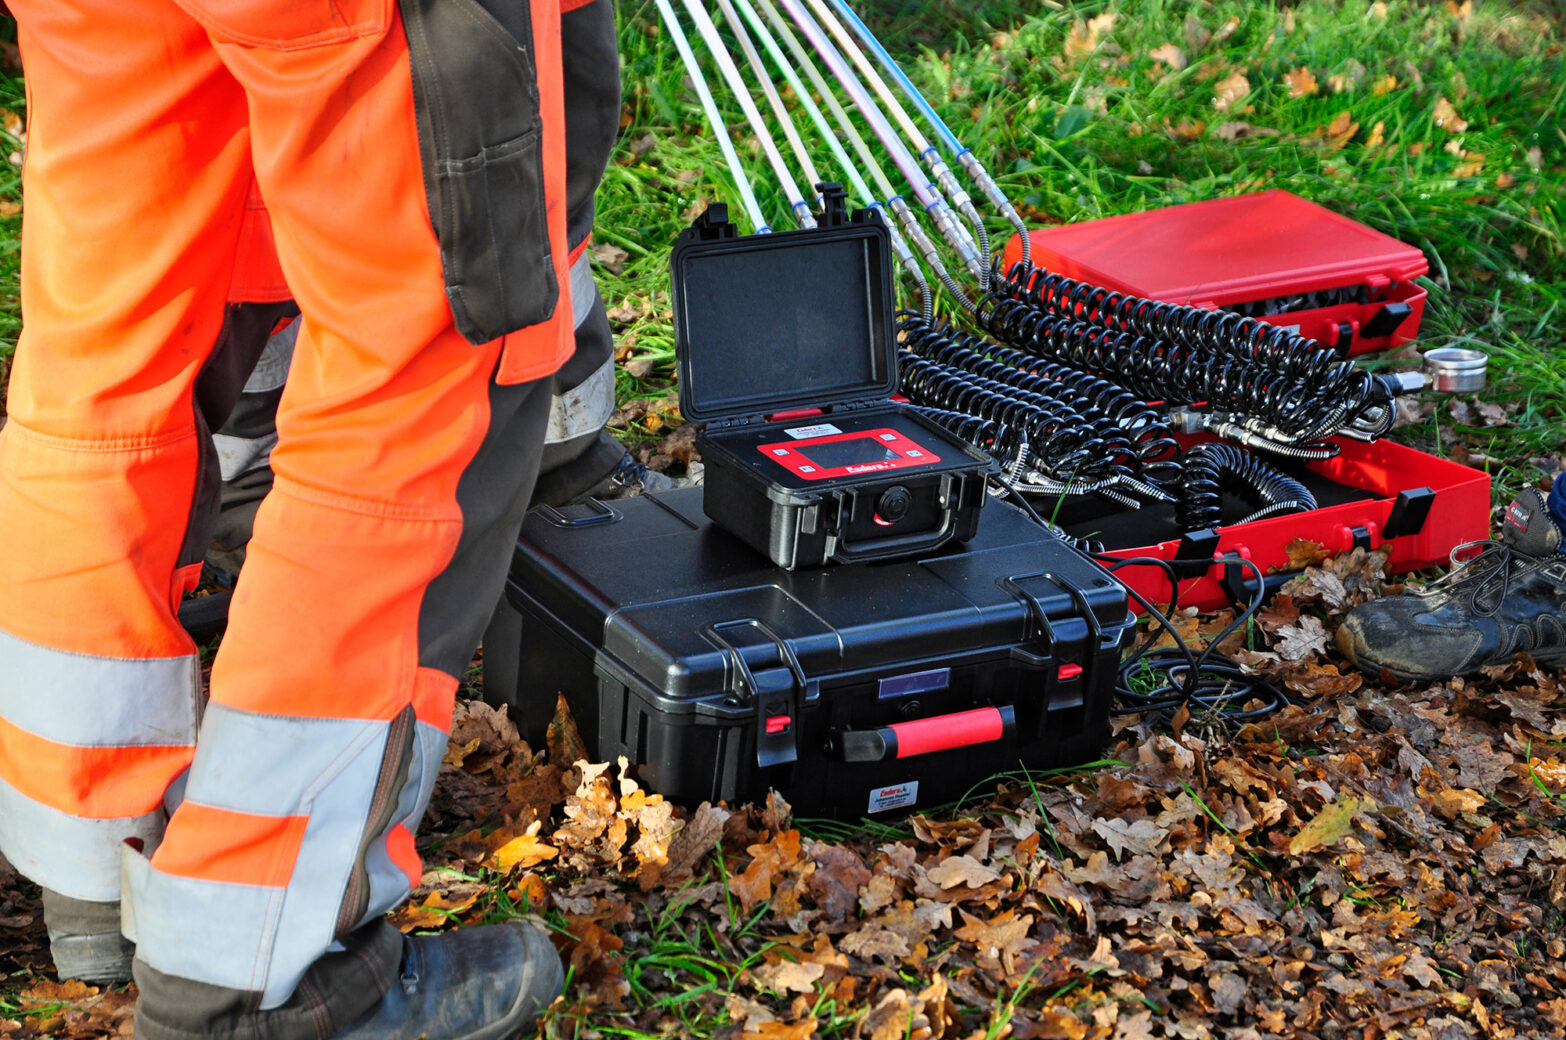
<point>1374,861</point>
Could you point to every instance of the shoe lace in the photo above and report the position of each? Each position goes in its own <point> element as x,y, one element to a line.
<point>1483,580</point>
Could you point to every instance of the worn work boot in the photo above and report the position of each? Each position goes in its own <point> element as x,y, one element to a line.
<point>85,940</point>
<point>487,983</point>
<point>1509,598</point>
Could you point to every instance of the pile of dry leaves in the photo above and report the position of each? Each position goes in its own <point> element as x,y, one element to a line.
<point>1372,862</point>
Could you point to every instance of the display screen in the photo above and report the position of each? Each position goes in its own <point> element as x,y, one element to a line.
<point>855,451</point>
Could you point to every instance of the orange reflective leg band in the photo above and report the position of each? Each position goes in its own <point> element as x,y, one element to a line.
<point>132,226</point>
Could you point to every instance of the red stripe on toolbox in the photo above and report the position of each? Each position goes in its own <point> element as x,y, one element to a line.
<point>944,732</point>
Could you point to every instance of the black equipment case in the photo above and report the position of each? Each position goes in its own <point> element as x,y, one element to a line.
<point>803,321</point>
<point>852,689</point>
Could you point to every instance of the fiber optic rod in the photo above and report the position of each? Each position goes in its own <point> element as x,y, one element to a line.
<point>902,213</point>
<point>748,199</point>
<point>911,133</point>
<point>736,82</point>
<point>963,155</point>
<point>925,190</point>
<point>769,42</point>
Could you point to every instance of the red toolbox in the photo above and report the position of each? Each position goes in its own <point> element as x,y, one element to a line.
<point>1379,496</point>
<point>1271,255</point>
<point>1329,278</point>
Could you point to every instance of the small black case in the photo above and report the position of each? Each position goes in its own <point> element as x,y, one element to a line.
<point>792,322</point>
<point>854,689</point>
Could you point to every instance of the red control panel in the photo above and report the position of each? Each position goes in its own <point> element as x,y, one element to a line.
<point>833,453</point>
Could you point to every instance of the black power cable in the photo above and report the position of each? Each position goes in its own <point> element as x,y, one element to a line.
<point>1160,682</point>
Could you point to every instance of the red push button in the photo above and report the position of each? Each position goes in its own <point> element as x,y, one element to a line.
<point>1069,671</point>
<point>778,723</point>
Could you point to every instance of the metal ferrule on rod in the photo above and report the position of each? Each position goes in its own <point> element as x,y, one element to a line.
<point>986,184</point>
<point>956,236</point>
<point>946,179</point>
<point>921,241</point>
<point>905,256</point>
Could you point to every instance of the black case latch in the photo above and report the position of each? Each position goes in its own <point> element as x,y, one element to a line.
<point>775,689</point>
<point>1066,645</point>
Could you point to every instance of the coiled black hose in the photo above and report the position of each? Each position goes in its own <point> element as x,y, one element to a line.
<point>1062,441</point>
<point>1212,469</point>
<point>1287,387</point>
<point>1108,406</point>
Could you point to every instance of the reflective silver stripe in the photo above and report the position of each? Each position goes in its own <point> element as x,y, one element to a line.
<point>208,931</point>
<point>583,409</point>
<point>75,856</point>
<point>584,291</point>
<point>257,938</point>
<point>88,701</point>
<point>239,455</point>
<point>271,369</point>
<point>277,765</point>
<point>388,884</point>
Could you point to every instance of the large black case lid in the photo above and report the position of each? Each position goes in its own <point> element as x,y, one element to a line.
<point>785,320</point>
<point>648,580</point>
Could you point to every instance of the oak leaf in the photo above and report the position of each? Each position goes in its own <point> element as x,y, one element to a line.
<point>873,943</point>
<point>525,850</point>
<point>962,870</point>
<point>999,939</point>
<point>1142,837</point>
<point>788,976</point>
<point>1170,55</point>
<point>1297,642</point>
<point>1333,822</point>
<point>1231,89</point>
<point>801,1030</point>
<point>434,912</point>
<point>1455,801</point>
<point>1446,117</point>
<point>754,884</point>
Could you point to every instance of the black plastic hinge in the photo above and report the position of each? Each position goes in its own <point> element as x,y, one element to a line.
<point>1385,321</point>
<point>1409,512</point>
<point>834,204</point>
<point>1194,555</point>
<point>713,224</point>
<point>732,421</point>
<point>1361,537</point>
<point>856,405</point>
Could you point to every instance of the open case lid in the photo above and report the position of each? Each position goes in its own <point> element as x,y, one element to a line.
<point>786,320</point>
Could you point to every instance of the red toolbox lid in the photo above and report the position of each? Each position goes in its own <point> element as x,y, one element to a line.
<point>1195,253</point>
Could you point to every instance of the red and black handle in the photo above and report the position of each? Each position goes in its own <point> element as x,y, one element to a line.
<point>924,736</point>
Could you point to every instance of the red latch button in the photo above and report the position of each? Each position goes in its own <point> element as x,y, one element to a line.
<point>778,723</point>
<point>1069,671</point>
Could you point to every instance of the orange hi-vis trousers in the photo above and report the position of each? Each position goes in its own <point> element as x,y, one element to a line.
<point>425,246</point>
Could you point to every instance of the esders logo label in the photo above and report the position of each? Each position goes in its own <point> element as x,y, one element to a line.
<point>895,797</point>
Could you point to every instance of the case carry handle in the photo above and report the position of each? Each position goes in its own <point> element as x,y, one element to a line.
<point>923,736</point>
<point>879,548</point>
